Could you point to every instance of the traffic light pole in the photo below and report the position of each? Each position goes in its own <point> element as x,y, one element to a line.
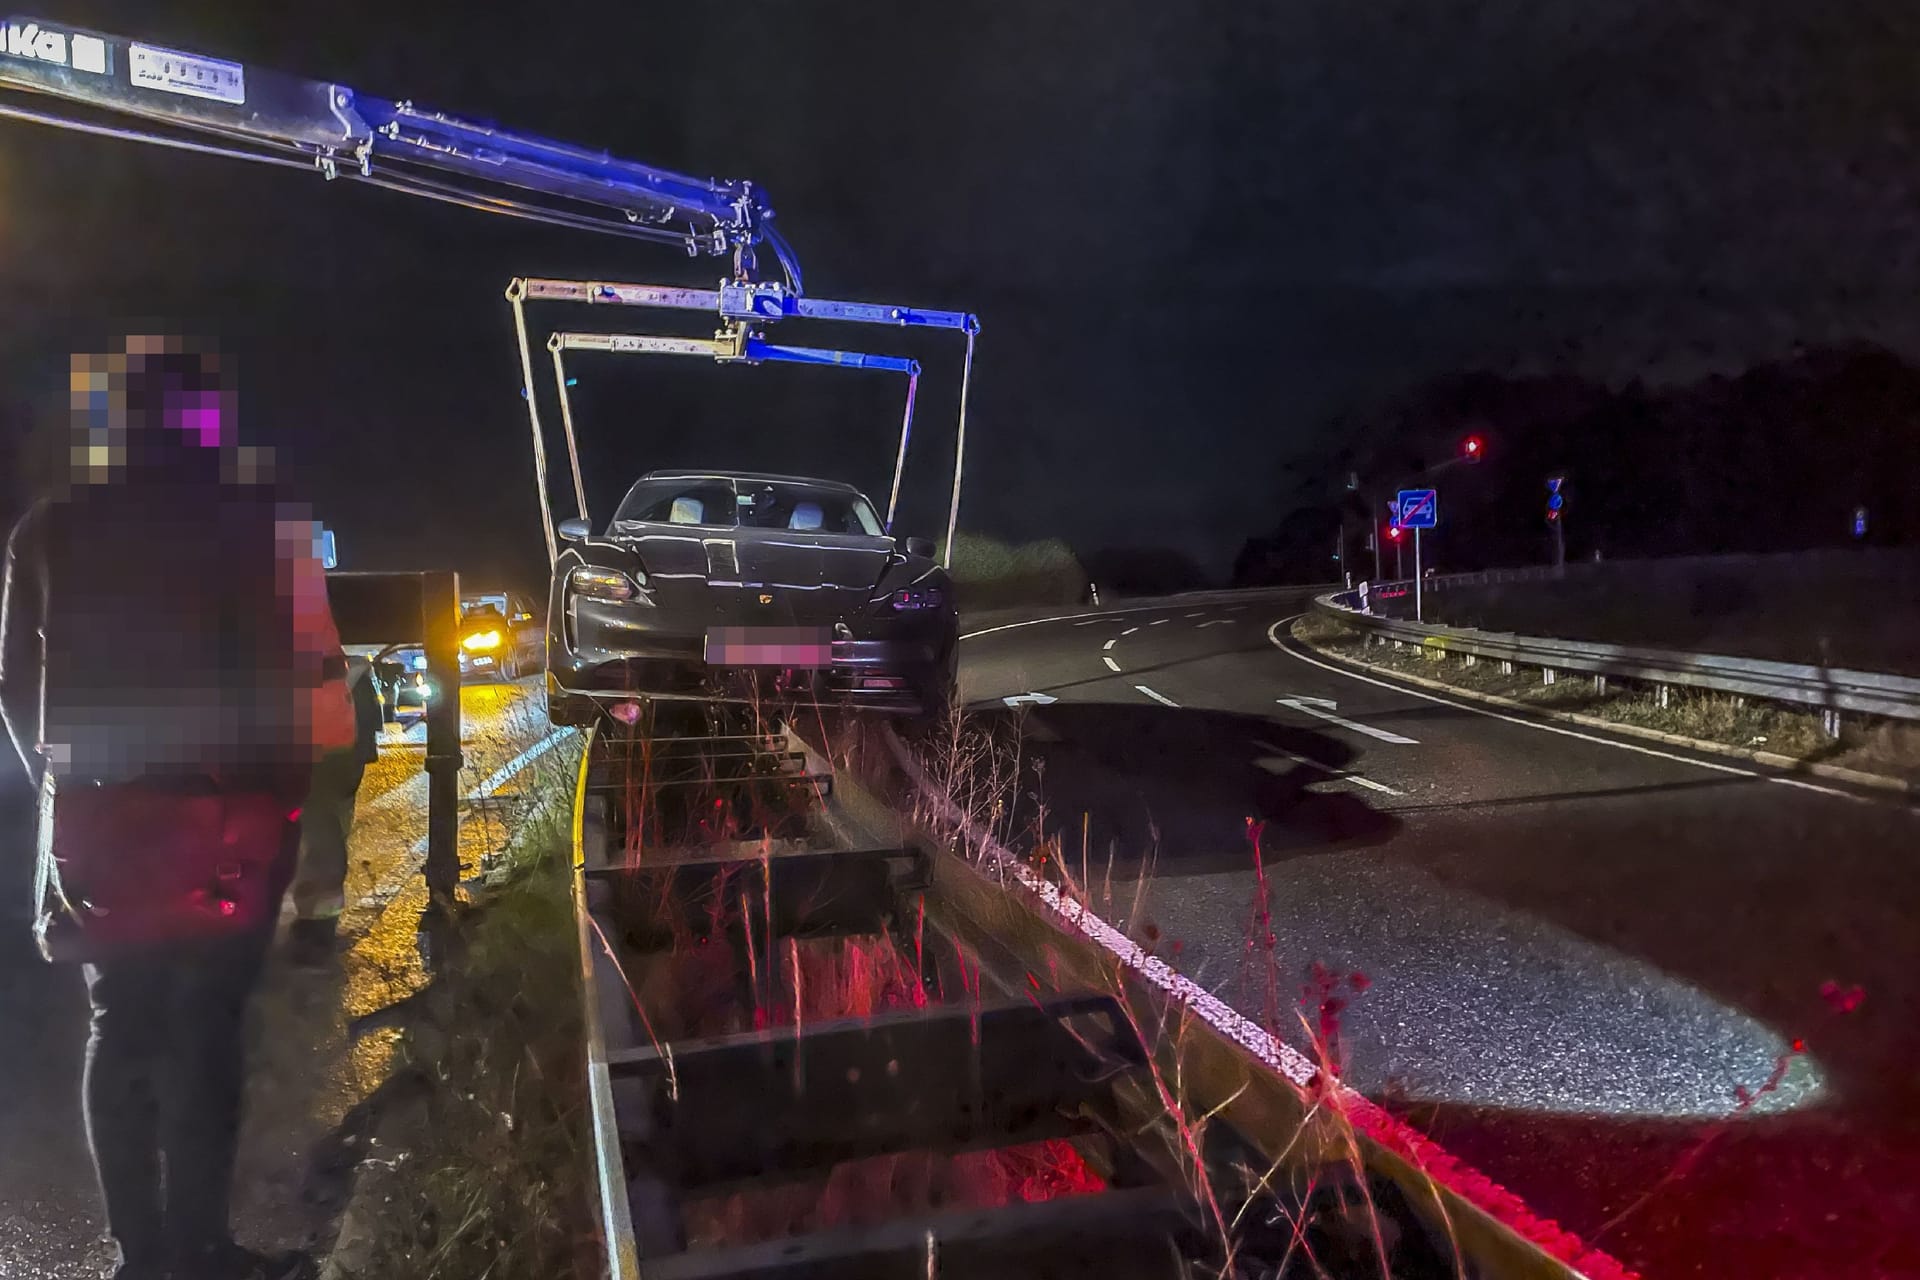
<point>1419,613</point>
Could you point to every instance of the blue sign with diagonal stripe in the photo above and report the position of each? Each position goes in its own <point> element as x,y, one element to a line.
<point>1419,508</point>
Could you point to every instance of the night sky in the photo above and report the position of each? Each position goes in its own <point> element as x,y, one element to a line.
<point>1194,234</point>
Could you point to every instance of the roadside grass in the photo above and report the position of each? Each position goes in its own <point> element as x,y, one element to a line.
<point>487,1171</point>
<point>990,574</point>
<point>1867,744</point>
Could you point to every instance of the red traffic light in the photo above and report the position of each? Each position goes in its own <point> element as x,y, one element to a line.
<point>1472,447</point>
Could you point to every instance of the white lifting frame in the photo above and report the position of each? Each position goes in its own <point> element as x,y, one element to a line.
<point>736,305</point>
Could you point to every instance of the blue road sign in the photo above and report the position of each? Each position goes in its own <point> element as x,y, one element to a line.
<point>1419,508</point>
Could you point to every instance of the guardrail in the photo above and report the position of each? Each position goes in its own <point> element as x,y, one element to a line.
<point>1831,690</point>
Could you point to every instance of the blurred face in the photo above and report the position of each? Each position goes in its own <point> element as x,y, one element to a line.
<point>125,418</point>
<point>98,447</point>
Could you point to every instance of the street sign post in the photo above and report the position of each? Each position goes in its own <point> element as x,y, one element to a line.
<point>1419,509</point>
<point>1556,503</point>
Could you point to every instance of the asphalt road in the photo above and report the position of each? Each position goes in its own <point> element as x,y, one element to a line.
<point>1575,949</point>
<point>308,1072</point>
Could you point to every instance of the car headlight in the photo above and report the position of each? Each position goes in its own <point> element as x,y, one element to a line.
<point>603,584</point>
<point>481,641</point>
<point>909,599</point>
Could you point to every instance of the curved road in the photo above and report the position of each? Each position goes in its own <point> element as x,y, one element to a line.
<point>1576,950</point>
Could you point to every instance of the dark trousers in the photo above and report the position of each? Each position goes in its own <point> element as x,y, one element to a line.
<point>165,1078</point>
<point>326,820</point>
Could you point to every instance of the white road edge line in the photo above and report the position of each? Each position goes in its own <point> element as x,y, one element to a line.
<point>494,780</point>
<point>1160,698</point>
<point>1274,638</point>
<point>1111,664</point>
<point>1109,644</point>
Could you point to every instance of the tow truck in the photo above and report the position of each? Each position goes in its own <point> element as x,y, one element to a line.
<point>671,1118</point>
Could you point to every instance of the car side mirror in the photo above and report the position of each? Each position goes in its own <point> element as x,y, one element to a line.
<point>574,530</point>
<point>920,547</point>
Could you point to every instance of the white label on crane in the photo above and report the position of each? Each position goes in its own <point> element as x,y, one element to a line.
<point>90,54</point>
<point>188,74</point>
<point>31,41</point>
<point>34,43</point>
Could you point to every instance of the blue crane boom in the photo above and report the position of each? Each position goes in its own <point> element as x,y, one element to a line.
<point>73,78</point>
<point>207,104</point>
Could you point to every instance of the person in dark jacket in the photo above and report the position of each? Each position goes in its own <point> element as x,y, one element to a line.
<point>128,593</point>
<point>326,820</point>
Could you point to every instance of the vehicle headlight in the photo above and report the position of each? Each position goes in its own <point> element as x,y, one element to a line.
<point>481,641</point>
<point>909,599</point>
<point>603,584</point>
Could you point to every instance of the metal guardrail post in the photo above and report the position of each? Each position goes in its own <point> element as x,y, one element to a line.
<point>440,620</point>
<point>403,609</point>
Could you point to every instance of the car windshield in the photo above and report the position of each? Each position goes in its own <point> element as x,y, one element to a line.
<point>715,503</point>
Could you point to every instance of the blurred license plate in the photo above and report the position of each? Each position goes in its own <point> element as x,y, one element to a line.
<point>769,647</point>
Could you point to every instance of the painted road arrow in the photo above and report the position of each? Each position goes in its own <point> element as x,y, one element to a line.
<point>1039,698</point>
<point>1322,708</point>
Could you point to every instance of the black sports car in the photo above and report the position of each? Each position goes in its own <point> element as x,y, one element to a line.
<point>737,585</point>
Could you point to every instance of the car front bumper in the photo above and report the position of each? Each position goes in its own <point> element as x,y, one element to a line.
<point>610,650</point>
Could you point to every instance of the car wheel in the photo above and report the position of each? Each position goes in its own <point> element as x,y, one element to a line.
<point>570,709</point>
<point>939,699</point>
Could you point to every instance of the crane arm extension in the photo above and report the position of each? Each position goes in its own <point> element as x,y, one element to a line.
<point>174,97</point>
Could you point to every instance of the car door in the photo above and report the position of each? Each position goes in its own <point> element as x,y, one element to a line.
<point>529,632</point>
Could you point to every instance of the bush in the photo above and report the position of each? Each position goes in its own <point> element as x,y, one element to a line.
<point>989,574</point>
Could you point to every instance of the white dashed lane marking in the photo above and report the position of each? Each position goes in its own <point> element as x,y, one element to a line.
<point>1160,698</point>
<point>1269,764</point>
<point>1317,707</point>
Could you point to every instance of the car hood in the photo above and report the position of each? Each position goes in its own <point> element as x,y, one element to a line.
<point>724,574</point>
